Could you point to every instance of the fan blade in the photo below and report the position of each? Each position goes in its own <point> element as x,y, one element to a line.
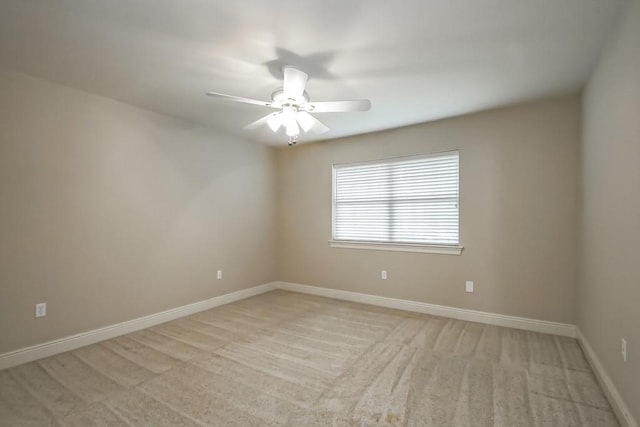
<point>239,99</point>
<point>294,82</point>
<point>338,106</point>
<point>310,123</point>
<point>263,120</point>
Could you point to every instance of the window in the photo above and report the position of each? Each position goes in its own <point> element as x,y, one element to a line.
<point>407,204</point>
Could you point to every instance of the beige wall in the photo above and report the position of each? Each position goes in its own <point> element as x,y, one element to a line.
<point>518,210</point>
<point>109,212</point>
<point>609,291</point>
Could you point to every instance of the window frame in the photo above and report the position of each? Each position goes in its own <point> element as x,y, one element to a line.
<point>450,249</point>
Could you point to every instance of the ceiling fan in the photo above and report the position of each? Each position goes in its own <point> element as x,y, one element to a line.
<point>294,106</point>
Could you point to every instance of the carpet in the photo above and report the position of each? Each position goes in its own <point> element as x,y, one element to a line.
<point>289,359</point>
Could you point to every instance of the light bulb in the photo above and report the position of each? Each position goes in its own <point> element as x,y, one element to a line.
<point>305,120</point>
<point>292,128</point>
<point>274,122</point>
<point>289,115</point>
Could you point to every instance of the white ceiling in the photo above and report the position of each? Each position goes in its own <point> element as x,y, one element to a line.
<point>416,61</point>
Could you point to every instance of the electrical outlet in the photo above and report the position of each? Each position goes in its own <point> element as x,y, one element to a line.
<point>383,274</point>
<point>41,309</point>
<point>468,287</point>
<point>623,349</point>
<point>219,275</point>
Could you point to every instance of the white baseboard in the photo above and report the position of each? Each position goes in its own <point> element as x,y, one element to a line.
<point>50,348</point>
<point>617,402</point>
<point>544,326</point>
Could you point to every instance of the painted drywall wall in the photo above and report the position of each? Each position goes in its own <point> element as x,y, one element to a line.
<point>609,286</point>
<point>109,212</point>
<point>519,173</point>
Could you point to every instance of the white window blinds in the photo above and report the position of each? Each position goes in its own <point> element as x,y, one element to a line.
<point>410,200</point>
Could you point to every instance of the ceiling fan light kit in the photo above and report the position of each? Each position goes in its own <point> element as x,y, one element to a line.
<point>295,107</point>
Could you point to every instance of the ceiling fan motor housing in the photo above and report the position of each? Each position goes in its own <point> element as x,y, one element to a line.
<point>279,99</point>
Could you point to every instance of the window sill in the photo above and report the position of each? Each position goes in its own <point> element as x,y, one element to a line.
<point>398,247</point>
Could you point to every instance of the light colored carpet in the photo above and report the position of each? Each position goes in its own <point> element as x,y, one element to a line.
<point>289,359</point>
